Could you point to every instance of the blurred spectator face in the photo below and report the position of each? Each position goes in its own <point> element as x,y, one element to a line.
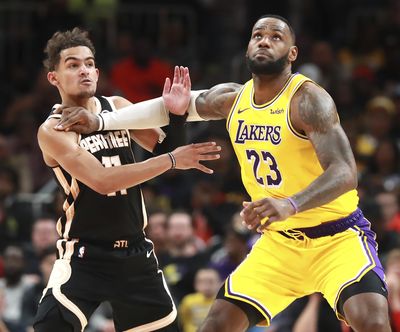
<point>44,234</point>
<point>386,157</point>
<point>207,282</point>
<point>156,227</point>
<point>235,244</point>
<point>13,264</point>
<point>389,204</point>
<point>380,115</point>
<point>322,55</point>
<point>379,122</point>
<point>180,229</point>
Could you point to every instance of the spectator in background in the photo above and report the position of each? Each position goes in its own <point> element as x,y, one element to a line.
<point>194,307</point>
<point>32,295</point>
<point>216,199</point>
<point>386,239</point>
<point>365,48</point>
<point>44,235</point>
<point>390,208</point>
<point>156,231</point>
<point>234,250</point>
<point>382,168</point>
<point>182,242</point>
<point>327,71</point>
<point>393,281</point>
<point>14,285</point>
<point>21,119</point>
<point>186,254</point>
<point>140,76</point>
<point>378,122</point>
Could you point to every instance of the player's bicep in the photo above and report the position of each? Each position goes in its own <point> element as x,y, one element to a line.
<point>63,148</point>
<point>216,103</point>
<point>318,119</point>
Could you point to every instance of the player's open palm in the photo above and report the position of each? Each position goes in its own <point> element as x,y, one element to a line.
<point>189,156</point>
<point>177,96</point>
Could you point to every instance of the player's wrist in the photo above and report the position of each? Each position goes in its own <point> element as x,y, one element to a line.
<point>100,122</point>
<point>173,160</point>
<point>293,204</point>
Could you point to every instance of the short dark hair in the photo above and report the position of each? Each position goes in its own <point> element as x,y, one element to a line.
<point>281,18</point>
<point>63,40</point>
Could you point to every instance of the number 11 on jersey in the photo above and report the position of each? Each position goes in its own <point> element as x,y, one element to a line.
<point>110,162</point>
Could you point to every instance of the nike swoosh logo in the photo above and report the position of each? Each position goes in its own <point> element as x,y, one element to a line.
<point>242,110</point>
<point>148,254</point>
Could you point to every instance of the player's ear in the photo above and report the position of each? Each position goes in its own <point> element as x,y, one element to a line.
<point>293,51</point>
<point>52,78</point>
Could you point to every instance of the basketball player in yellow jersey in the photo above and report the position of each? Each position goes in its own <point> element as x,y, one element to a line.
<point>298,167</point>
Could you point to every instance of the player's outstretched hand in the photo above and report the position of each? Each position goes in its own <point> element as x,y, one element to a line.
<point>177,96</point>
<point>189,156</point>
<point>260,214</point>
<point>77,119</point>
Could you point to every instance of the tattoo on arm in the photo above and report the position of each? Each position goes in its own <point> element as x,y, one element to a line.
<point>319,120</point>
<point>317,110</point>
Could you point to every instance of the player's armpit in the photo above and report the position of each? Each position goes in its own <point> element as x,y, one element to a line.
<point>147,138</point>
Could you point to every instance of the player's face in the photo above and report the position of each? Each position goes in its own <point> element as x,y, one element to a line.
<point>76,74</point>
<point>270,49</point>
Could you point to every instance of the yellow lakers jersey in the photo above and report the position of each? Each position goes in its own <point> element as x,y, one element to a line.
<point>275,159</point>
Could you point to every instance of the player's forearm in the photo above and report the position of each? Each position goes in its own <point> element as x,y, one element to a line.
<point>335,181</point>
<point>144,115</point>
<point>118,178</point>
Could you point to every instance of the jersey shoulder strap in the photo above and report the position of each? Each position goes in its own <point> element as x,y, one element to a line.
<point>105,104</point>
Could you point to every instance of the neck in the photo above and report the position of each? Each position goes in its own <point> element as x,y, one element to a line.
<point>266,87</point>
<point>88,103</point>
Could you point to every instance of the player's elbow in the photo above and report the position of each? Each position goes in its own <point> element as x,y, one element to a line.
<point>350,177</point>
<point>100,186</point>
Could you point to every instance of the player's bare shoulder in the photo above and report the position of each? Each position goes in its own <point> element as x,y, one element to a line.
<point>313,109</point>
<point>120,102</point>
<point>52,141</point>
<point>215,103</point>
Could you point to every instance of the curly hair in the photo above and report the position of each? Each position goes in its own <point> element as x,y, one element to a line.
<point>63,40</point>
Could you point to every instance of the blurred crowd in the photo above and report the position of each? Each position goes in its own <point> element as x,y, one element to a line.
<point>351,48</point>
